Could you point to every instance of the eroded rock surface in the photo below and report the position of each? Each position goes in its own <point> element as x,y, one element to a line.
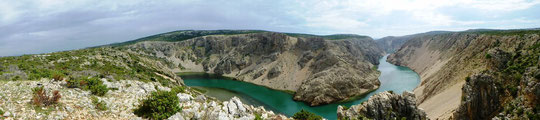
<point>480,98</point>
<point>385,106</point>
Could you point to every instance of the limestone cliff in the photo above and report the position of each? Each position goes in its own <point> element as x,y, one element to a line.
<point>320,70</point>
<point>385,106</point>
<point>445,63</point>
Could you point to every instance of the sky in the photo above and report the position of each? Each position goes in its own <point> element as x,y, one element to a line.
<point>42,26</point>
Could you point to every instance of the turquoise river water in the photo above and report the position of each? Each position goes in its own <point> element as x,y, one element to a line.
<point>395,78</point>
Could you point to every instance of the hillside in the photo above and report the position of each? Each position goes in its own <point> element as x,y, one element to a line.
<point>475,73</point>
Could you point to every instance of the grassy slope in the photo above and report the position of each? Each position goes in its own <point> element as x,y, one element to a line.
<point>105,62</point>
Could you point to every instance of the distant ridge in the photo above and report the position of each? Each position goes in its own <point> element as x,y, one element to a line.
<point>181,35</point>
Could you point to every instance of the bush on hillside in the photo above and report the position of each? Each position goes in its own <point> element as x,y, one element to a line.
<point>306,115</point>
<point>159,105</point>
<point>100,105</point>
<point>258,116</point>
<point>93,84</point>
<point>178,89</point>
<point>57,76</point>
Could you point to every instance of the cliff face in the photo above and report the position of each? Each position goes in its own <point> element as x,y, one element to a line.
<point>445,63</point>
<point>481,98</point>
<point>391,44</point>
<point>385,106</point>
<point>320,71</point>
<point>508,89</point>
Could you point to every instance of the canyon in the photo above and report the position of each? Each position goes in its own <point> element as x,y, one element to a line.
<point>473,74</point>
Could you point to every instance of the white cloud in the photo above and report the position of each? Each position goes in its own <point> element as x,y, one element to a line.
<point>502,5</point>
<point>105,21</point>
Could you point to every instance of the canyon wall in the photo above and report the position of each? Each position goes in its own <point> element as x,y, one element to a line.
<point>446,62</point>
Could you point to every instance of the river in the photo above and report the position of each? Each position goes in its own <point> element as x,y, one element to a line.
<point>394,78</point>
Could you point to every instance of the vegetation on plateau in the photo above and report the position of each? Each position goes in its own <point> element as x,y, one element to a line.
<point>106,62</point>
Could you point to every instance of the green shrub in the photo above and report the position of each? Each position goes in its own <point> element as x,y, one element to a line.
<point>159,105</point>
<point>488,56</point>
<point>100,105</point>
<point>1,112</point>
<point>513,90</point>
<point>178,89</point>
<point>345,107</point>
<point>57,76</point>
<point>73,83</point>
<point>99,90</point>
<point>306,115</point>
<point>16,78</point>
<point>537,76</point>
<point>258,116</point>
<point>93,84</point>
<point>519,111</point>
<point>533,116</point>
<point>468,78</point>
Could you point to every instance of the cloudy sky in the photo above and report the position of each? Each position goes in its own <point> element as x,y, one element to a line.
<point>40,26</point>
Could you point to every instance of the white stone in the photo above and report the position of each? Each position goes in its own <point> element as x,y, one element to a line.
<point>177,116</point>
<point>182,97</point>
<point>232,107</point>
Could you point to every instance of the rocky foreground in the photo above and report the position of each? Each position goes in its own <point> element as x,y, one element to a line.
<point>384,106</point>
<point>16,103</point>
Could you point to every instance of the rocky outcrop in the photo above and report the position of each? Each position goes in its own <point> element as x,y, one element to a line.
<point>480,98</point>
<point>487,96</point>
<point>385,106</point>
<point>445,61</point>
<point>320,71</point>
<point>233,109</point>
